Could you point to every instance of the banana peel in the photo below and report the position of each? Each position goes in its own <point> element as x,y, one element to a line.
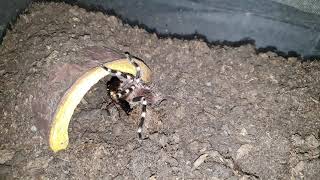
<point>58,138</point>
<point>65,84</point>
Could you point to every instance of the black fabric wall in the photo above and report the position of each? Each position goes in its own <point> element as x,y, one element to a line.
<point>267,23</point>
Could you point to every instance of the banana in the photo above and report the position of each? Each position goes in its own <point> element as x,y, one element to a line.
<point>58,137</point>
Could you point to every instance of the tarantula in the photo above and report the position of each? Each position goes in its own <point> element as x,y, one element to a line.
<point>128,90</point>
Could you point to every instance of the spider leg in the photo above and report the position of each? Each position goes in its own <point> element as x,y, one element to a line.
<point>125,106</point>
<point>119,74</point>
<point>123,93</point>
<point>143,102</point>
<point>138,69</point>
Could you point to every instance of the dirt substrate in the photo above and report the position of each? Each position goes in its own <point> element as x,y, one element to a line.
<point>230,113</point>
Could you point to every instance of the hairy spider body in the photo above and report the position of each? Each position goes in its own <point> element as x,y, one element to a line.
<point>128,91</point>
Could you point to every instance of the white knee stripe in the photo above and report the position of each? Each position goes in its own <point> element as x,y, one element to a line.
<point>129,77</point>
<point>118,73</point>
